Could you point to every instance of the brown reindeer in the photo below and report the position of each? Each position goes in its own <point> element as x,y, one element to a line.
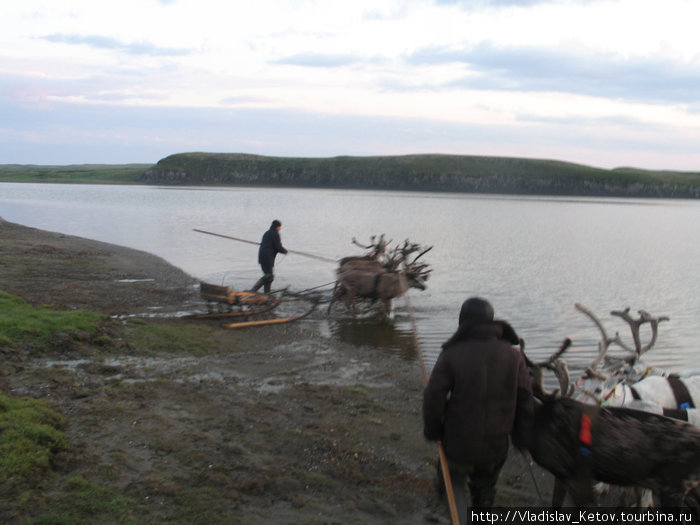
<point>380,286</point>
<point>580,444</point>
<point>380,276</point>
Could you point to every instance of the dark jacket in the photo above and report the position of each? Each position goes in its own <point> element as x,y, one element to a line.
<point>478,394</point>
<point>270,246</point>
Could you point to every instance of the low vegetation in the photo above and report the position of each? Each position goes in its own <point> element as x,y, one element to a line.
<point>448,173</point>
<point>20,322</point>
<point>38,475</point>
<point>33,452</point>
<point>169,338</point>
<point>444,173</point>
<point>31,434</point>
<point>83,173</point>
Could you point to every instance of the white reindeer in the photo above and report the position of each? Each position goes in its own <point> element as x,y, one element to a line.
<point>630,384</point>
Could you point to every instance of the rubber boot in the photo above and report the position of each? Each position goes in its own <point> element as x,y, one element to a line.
<point>265,281</point>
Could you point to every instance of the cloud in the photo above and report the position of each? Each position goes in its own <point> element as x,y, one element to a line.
<point>66,133</point>
<point>318,60</point>
<point>489,67</point>
<point>470,4</point>
<point>103,42</point>
<point>109,86</point>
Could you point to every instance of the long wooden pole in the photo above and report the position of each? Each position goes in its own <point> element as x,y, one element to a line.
<point>261,322</point>
<point>304,254</point>
<point>449,490</point>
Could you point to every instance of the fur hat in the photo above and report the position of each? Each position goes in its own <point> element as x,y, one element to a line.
<point>475,308</point>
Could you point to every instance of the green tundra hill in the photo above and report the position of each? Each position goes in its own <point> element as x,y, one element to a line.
<point>449,173</point>
<point>429,172</point>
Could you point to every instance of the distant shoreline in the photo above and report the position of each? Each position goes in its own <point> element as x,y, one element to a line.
<point>436,173</point>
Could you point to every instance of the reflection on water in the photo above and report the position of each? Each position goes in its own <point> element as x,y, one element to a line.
<point>377,331</point>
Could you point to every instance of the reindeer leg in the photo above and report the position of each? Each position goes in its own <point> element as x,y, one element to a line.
<point>388,307</point>
<point>558,493</point>
<point>334,298</point>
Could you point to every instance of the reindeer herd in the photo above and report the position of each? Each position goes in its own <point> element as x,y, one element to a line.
<point>381,275</point>
<point>620,423</point>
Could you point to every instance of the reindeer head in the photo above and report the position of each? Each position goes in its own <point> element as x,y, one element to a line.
<point>417,273</point>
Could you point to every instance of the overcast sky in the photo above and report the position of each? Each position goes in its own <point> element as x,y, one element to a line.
<point>604,83</point>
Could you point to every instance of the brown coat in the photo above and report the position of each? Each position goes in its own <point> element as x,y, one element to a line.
<point>479,393</point>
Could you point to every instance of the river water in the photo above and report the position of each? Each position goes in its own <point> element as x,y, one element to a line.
<point>532,257</point>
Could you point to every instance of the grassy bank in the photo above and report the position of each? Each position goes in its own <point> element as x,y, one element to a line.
<point>21,322</point>
<point>84,173</point>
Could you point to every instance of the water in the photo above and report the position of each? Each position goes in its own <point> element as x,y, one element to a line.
<point>533,258</point>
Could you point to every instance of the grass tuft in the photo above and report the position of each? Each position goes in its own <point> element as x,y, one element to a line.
<point>31,434</point>
<point>172,338</point>
<point>21,322</point>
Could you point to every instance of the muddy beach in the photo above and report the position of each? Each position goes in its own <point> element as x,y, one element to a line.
<point>191,423</point>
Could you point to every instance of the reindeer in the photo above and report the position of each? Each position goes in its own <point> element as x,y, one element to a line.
<point>624,382</point>
<point>580,444</point>
<point>382,277</point>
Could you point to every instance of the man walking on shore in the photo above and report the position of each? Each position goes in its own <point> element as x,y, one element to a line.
<point>478,396</point>
<point>270,246</point>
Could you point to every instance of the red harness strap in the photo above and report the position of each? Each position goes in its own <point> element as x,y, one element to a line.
<point>584,457</point>
<point>584,433</point>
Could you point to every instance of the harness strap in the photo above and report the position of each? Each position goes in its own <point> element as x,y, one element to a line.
<point>680,392</point>
<point>375,290</point>
<point>584,456</point>
<point>676,413</point>
<point>635,394</point>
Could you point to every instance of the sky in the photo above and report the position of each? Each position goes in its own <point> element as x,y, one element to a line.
<point>605,83</point>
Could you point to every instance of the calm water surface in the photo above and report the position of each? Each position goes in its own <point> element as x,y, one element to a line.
<point>533,258</point>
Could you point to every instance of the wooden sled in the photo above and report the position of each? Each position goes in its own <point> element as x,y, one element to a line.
<point>280,320</point>
<point>224,303</point>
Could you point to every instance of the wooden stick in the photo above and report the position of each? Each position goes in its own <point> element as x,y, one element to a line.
<point>445,467</point>
<point>304,254</point>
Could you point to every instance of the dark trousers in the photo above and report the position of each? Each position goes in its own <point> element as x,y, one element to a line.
<point>481,481</point>
<point>266,280</point>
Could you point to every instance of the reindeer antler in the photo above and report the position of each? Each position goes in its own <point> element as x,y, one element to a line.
<point>603,345</point>
<point>377,248</point>
<point>635,324</point>
<point>606,341</point>
<point>553,363</point>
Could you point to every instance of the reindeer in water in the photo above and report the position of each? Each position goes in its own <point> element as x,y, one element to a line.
<point>381,275</point>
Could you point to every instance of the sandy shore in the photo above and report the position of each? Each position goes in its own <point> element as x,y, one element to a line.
<point>275,424</point>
